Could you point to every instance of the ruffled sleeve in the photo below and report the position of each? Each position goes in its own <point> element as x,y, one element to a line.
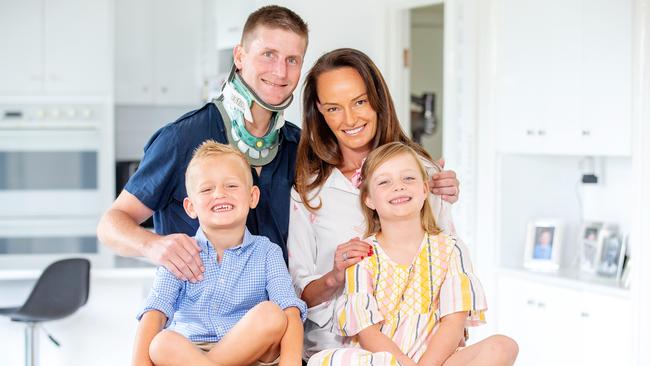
<point>461,289</point>
<point>356,309</point>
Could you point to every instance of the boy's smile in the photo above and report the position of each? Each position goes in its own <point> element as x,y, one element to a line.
<point>220,192</point>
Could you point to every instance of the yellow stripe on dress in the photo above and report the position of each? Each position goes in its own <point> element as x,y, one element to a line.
<point>327,359</point>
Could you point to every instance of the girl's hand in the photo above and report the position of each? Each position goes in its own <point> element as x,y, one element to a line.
<point>348,254</point>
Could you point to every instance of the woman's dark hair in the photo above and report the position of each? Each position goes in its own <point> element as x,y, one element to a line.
<point>318,150</point>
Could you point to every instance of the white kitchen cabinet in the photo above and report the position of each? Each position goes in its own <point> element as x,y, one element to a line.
<point>557,324</point>
<point>230,18</point>
<point>563,83</point>
<point>55,46</point>
<point>21,39</point>
<point>158,52</point>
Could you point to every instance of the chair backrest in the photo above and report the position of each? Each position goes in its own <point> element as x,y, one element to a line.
<point>61,289</point>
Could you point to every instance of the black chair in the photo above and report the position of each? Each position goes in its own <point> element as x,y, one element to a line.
<point>61,289</point>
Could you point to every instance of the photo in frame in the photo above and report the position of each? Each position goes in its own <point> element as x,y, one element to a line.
<point>612,253</point>
<point>589,246</point>
<point>543,245</point>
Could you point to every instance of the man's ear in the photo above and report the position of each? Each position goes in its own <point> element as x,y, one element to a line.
<point>255,197</point>
<point>238,54</point>
<point>189,208</point>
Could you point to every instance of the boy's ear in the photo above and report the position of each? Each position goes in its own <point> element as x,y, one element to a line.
<point>255,196</point>
<point>369,203</point>
<point>189,208</point>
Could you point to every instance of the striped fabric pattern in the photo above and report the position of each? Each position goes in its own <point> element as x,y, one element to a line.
<point>408,300</point>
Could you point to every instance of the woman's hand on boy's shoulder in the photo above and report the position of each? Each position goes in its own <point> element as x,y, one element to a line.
<point>445,184</point>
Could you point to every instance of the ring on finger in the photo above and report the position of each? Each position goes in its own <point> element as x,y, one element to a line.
<point>345,256</point>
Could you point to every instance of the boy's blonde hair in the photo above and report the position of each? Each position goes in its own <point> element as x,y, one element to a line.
<point>374,160</point>
<point>211,149</point>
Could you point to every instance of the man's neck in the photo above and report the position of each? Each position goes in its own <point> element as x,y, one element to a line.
<point>259,126</point>
<point>222,239</point>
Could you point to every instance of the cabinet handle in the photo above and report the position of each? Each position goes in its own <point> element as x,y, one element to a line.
<point>586,133</point>
<point>541,305</point>
<point>145,89</point>
<point>530,302</point>
<point>584,314</point>
<point>530,132</point>
<point>163,89</point>
<point>541,132</point>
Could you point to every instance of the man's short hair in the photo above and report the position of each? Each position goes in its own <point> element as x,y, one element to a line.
<point>211,149</point>
<point>275,17</point>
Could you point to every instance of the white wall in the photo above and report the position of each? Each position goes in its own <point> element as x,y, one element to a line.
<point>536,187</point>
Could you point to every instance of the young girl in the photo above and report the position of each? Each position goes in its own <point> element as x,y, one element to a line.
<point>409,302</point>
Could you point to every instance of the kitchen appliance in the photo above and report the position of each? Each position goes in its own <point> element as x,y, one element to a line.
<point>55,177</point>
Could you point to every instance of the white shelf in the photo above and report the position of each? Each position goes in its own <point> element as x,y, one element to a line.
<point>572,279</point>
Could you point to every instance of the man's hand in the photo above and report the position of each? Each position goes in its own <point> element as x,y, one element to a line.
<point>445,184</point>
<point>179,254</point>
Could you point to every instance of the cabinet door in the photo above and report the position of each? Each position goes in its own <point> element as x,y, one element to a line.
<point>541,319</point>
<point>607,80</point>
<point>21,42</point>
<point>606,326</point>
<point>78,55</point>
<point>231,16</point>
<point>134,52</point>
<point>522,97</point>
<point>177,52</point>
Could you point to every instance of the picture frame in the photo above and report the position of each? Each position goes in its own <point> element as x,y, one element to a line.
<point>589,246</point>
<point>543,245</point>
<point>611,253</point>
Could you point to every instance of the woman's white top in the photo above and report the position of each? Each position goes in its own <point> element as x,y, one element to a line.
<point>313,238</point>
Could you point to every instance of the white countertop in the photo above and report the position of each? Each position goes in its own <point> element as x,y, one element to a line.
<point>135,273</point>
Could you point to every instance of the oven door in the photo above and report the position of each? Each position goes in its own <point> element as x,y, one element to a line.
<point>50,173</point>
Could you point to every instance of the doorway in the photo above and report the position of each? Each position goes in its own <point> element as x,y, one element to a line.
<point>426,76</point>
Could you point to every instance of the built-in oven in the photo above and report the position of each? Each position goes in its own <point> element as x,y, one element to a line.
<point>56,178</point>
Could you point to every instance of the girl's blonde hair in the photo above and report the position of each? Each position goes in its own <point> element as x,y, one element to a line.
<point>211,149</point>
<point>374,160</point>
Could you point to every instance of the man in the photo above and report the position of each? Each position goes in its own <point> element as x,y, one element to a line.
<point>248,115</point>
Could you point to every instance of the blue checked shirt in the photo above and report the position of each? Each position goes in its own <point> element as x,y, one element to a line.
<point>247,275</point>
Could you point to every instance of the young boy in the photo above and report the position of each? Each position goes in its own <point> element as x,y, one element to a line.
<point>245,310</point>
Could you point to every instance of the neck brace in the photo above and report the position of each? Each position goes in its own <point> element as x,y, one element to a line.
<point>237,98</point>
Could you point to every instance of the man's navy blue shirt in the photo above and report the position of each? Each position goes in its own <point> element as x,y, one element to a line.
<point>159,182</point>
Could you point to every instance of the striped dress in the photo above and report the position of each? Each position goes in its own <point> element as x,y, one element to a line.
<point>409,300</point>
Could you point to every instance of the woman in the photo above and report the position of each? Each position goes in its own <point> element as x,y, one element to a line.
<point>348,111</point>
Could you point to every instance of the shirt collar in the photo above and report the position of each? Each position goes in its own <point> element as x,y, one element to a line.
<point>286,135</point>
<point>205,244</point>
<point>338,181</point>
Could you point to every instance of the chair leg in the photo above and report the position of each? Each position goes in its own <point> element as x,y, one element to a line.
<point>31,344</point>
